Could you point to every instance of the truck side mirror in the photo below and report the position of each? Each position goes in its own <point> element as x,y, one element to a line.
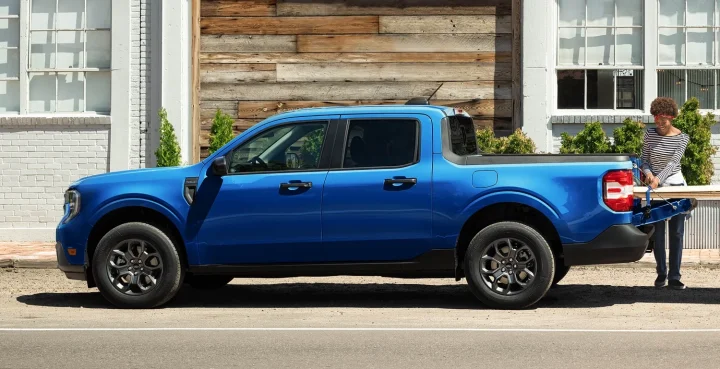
<point>219,166</point>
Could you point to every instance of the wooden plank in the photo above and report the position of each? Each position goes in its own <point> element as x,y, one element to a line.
<point>290,25</point>
<point>680,192</point>
<point>238,127</point>
<point>446,24</point>
<point>391,7</point>
<point>431,57</point>
<point>233,73</point>
<point>404,43</point>
<point>264,109</point>
<point>195,70</point>
<point>517,63</point>
<point>327,72</point>
<point>318,91</point>
<point>248,44</point>
<point>238,8</point>
<point>474,90</point>
<point>208,108</point>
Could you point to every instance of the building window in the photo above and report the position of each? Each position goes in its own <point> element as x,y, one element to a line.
<point>600,54</point>
<point>64,62</point>
<point>688,51</point>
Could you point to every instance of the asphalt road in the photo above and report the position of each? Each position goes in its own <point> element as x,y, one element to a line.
<point>598,318</point>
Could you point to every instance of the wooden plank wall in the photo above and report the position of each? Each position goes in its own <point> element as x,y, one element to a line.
<point>261,57</point>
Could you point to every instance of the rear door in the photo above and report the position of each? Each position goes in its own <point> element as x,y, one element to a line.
<point>377,196</point>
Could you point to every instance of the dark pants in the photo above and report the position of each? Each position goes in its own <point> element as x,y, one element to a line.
<point>676,228</point>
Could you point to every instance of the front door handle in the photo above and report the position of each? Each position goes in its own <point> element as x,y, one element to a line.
<point>389,181</point>
<point>296,185</point>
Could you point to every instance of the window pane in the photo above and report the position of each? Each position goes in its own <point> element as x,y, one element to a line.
<point>572,12</point>
<point>42,14</point>
<point>9,32</point>
<point>98,91</point>
<point>629,46</point>
<point>9,96</point>
<point>601,46</point>
<point>70,14</point>
<point>701,84</point>
<point>70,49</point>
<point>572,46</point>
<point>379,143</point>
<point>700,46</point>
<point>629,93</point>
<point>9,7</point>
<point>600,86</point>
<point>671,84</point>
<point>42,49</point>
<point>601,12</point>
<point>672,46</point>
<point>42,92</point>
<point>571,89</point>
<point>671,13</point>
<point>9,63</point>
<point>98,49</point>
<point>70,92</point>
<point>462,135</point>
<point>99,14</point>
<point>629,13</point>
<point>700,12</point>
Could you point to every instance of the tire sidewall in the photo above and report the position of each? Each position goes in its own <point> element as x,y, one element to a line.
<point>538,245</point>
<point>169,281</point>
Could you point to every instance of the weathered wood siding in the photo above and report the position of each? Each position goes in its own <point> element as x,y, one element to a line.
<point>261,57</point>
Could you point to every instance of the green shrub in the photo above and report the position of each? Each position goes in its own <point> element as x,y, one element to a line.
<point>517,143</point>
<point>486,141</point>
<point>697,166</point>
<point>168,153</point>
<point>591,140</point>
<point>628,139</point>
<point>310,150</point>
<point>221,131</point>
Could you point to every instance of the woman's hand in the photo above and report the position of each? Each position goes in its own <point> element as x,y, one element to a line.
<point>654,183</point>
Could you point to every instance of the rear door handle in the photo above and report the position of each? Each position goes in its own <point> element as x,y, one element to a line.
<point>296,185</point>
<point>400,180</point>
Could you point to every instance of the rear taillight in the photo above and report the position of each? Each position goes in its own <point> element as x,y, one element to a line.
<point>618,190</point>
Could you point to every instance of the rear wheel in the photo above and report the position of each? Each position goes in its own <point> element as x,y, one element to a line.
<point>509,265</point>
<point>136,265</point>
<point>207,282</point>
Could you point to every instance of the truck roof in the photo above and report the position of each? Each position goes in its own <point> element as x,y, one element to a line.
<point>366,109</point>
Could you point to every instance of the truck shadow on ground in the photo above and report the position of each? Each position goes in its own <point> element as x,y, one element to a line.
<point>404,295</point>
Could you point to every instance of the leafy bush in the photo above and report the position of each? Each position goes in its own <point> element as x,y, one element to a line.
<point>697,166</point>
<point>517,143</point>
<point>591,140</point>
<point>628,139</point>
<point>168,153</point>
<point>221,131</point>
<point>310,150</point>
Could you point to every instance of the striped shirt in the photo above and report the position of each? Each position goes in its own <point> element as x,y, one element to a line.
<point>661,155</point>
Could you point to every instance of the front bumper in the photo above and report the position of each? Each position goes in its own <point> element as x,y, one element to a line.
<point>621,243</point>
<point>76,272</point>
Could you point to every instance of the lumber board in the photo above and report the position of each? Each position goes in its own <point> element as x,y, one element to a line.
<point>517,87</point>
<point>238,8</point>
<point>446,24</point>
<point>289,25</point>
<point>238,126</point>
<point>247,44</point>
<point>679,192</point>
<point>489,90</point>
<point>209,107</point>
<point>324,91</point>
<point>438,43</point>
<point>391,7</point>
<point>476,108</point>
<point>418,57</point>
<point>232,73</point>
<point>328,72</point>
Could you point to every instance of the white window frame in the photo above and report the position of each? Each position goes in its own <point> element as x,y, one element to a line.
<point>24,62</point>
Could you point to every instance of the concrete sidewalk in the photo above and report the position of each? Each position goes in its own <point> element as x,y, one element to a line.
<point>42,255</point>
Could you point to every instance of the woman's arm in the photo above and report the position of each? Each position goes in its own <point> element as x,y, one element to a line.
<point>675,160</point>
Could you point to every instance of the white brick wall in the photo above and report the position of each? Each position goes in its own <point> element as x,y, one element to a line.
<point>37,163</point>
<point>140,81</point>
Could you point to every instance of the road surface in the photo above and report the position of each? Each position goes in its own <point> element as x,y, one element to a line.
<point>597,318</point>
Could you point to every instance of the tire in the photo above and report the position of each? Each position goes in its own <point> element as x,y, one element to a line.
<point>168,274</point>
<point>561,271</point>
<point>207,282</point>
<point>493,239</point>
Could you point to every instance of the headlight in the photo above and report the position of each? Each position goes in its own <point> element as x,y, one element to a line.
<point>72,204</point>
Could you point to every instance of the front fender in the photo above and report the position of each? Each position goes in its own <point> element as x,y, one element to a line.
<point>139,202</point>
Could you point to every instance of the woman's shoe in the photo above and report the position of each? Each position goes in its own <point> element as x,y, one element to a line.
<point>660,281</point>
<point>676,285</point>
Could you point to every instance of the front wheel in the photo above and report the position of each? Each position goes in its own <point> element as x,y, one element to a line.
<point>136,265</point>
<point>509,265</point>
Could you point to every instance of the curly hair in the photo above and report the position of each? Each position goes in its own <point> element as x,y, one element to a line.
<point>664,106</point>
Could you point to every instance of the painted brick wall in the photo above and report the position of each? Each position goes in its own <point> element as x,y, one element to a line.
<point>38,162</point>
<point>140,80</point>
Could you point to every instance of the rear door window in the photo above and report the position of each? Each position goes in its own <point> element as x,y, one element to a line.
<point>378,143</point>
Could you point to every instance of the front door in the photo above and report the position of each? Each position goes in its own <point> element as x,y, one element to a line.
<point>377,204</point>
<point>267,209</point>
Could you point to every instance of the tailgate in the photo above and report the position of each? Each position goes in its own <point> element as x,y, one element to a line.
<point>647,211</point>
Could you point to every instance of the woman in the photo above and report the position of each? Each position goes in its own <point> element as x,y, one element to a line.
<point>663,147</point>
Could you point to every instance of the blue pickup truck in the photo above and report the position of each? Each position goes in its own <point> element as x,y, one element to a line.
<point>397,191</point>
